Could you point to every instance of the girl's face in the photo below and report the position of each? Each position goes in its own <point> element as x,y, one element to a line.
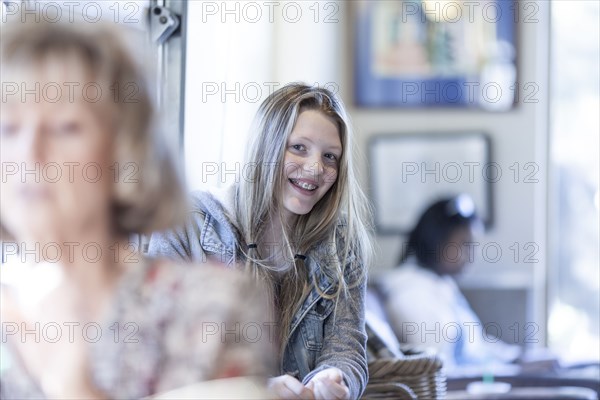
<point>56,160</point>
<point>311,162</point>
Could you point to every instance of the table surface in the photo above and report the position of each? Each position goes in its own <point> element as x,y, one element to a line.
<point>546,393</point>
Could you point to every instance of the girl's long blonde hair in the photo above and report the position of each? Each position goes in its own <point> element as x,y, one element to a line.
<point>340,221</point>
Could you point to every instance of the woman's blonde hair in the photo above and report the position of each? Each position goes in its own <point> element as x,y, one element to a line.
<point>339,223</point>
<point>152,198</point>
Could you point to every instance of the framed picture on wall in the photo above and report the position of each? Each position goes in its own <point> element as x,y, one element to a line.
<point>409,172</point>
<point>429,53</point>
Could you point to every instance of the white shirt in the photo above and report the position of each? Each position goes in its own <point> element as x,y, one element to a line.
<point>428,309</point>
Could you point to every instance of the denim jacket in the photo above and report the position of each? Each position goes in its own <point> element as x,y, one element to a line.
<point>319,337</point>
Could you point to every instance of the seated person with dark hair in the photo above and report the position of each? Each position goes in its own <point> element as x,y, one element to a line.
<point>421,298</point>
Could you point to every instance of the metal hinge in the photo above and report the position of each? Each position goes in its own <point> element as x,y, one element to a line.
<point>163,23</point>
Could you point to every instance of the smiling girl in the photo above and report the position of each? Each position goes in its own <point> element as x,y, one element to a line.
<point>299,223</point>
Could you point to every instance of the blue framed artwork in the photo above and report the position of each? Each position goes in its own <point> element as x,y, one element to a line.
<point>430,53</point>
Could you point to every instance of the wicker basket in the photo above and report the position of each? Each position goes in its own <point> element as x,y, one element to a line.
<point>388,391</point>
<point>417,376</point>
<point>414,375</point>
<point>401,373</point>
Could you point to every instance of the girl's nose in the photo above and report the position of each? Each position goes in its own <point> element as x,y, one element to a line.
<point>315,166</point>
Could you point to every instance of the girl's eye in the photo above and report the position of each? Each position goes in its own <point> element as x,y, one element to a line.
<point>298,147</point>
<point>330,156</point>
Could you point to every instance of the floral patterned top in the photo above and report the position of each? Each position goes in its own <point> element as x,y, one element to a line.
<point>169,326</point>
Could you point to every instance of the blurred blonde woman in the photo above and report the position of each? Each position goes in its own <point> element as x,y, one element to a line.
<point>298,221</point>
<point>83,314</point>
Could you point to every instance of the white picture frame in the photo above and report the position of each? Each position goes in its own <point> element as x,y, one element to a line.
<point>408,172</point>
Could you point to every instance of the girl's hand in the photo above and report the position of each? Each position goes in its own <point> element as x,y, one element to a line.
<point>288,387</point>
<point>329,384</point>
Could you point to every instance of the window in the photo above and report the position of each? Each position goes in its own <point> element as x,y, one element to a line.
<point>574,279</point>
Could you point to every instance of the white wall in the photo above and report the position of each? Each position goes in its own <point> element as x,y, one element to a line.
<point>228,68</point>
